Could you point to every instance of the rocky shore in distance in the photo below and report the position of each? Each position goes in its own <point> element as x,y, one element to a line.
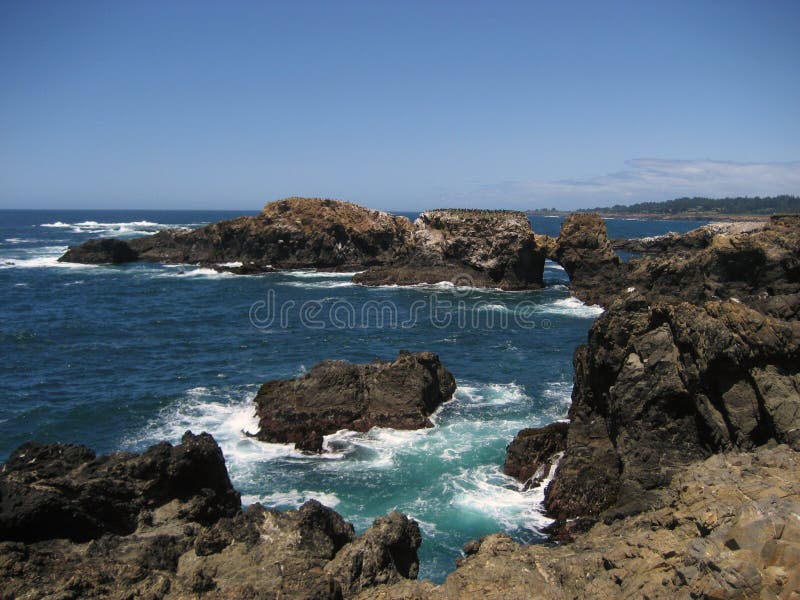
<point>481,248</point>
<point>168,524</point>
<point>335,395</point>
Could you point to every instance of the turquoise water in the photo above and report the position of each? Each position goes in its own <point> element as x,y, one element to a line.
<point>121,357</point>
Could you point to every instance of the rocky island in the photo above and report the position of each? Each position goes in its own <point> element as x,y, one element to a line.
<point>482,248</point>
<point>335,395</point>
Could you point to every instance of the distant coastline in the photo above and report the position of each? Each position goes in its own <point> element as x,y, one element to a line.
<point>686,216</point>
<point>696,208</point>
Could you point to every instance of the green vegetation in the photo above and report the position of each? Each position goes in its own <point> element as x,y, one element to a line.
<point>709,206</point>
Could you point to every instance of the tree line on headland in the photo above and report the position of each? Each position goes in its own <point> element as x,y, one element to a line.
<point>701,206</point>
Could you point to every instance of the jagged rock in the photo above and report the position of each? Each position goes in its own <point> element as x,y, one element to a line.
<point>584,250</point>
<point>696,239</point>
<point>530,455</point>
<point>659,387</point>
<point>101,251</point>
<point>385,553</point>
<point>291,233</point>
<point>167,524</point>
<point>484,248</point>
<point>479,248</point>
<point>760,268</point>
<point>64,491</point>
<point>336,395</point>
<point>726,528</point>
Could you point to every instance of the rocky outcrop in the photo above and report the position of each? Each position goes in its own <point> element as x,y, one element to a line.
<point>532,452</point>
<point>288,234</point>
<point>726,528</point>
<point>484,248</point>
<point>65,491</point>
<point>168,524</point>
<point>760,269</point>
<point>584,249</point>
<point>386,553</point>
<point>696,239</point>
<point>336,395</point>
<point>661,386</point>
<point>472,247</point>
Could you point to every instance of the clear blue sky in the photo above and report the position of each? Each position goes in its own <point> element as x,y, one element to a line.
<point>397,105</point>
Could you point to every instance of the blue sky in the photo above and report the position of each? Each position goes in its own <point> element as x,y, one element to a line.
<point>396,105</point>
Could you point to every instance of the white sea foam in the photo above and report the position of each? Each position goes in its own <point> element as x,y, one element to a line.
<point>111,229</point>
<point>233,265</point>
<point>191,271</point>
<point>317,284</point>
<point>571,307</point>
<point>314,274</point>
<point>291,498</point>
<point>227,413</point>
<point>37,262</point>
<point>492,394</point>
<point>492,307</point>
<point>485,491</point>
<point>21,240</point>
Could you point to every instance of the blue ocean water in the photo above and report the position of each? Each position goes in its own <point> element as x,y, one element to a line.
<point>119,357</point>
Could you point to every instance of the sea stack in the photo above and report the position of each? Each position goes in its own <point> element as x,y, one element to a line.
<point>335,395</point>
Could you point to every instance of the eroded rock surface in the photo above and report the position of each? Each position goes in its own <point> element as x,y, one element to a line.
<point>168,524</point>
<point>472,247</point>
<point>336,395</point>
<point>483,248</point>
<point>532,452</point>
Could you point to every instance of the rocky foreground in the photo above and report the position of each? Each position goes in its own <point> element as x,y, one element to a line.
<point>335,395</point>
<point>168,524</point>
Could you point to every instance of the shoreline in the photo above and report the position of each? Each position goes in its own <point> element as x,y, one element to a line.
<point>658,217</point>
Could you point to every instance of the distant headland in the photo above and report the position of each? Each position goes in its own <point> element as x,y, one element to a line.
<point>694,208</point>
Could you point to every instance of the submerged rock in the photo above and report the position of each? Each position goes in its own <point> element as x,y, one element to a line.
<point>168,524</point>
<point>336,395</point>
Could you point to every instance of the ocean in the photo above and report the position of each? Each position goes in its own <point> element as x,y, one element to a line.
<point>121,357</point>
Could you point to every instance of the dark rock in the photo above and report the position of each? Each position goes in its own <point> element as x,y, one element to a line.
<point>101,251</point>
<point>177,545</point>
<point>385,553</point>
<point>336,395</point>
<point>530,456</point>
<point>63,491</point>
<point>759,268</point>
<point>584,250</point>
<point>660,387</point>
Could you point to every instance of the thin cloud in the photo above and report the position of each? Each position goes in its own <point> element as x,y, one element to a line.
<point>644,179</point>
